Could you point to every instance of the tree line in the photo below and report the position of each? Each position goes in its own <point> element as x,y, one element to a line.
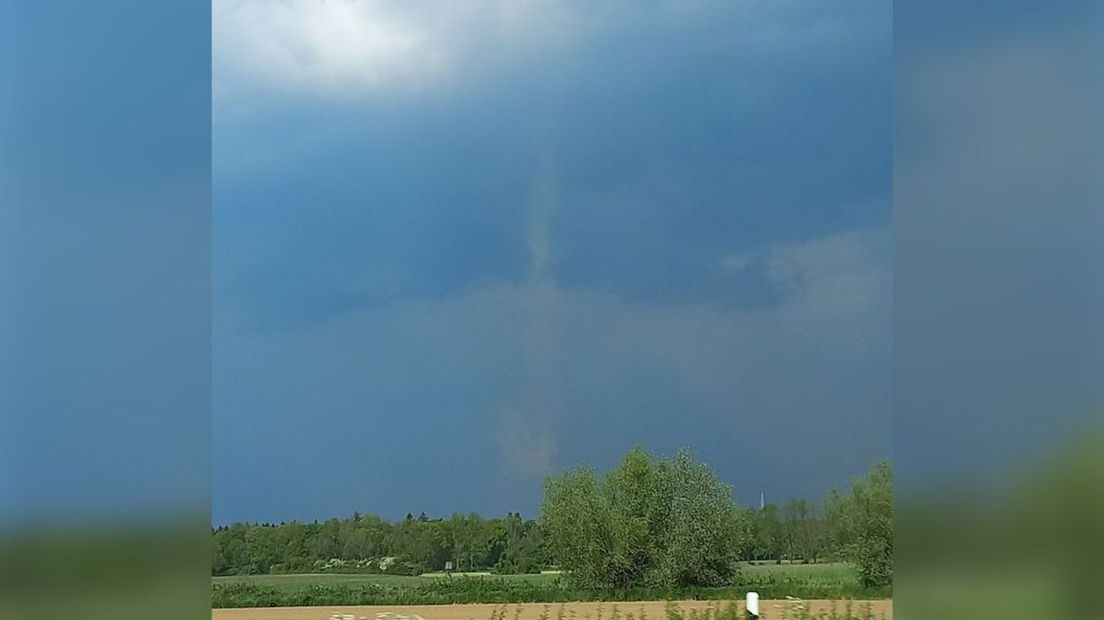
<point>370,544</point>
<point>667,522</point>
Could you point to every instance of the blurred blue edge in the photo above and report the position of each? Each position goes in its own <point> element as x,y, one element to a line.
<point>105,234</point>
<point>998,308</point>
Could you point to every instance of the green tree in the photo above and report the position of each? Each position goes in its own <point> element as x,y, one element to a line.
<point>704,529</point>
<point>668,522</point>
<point>862,524</point>
<point>768,533</point>
<point>802,530</point>
<point>578,523</point>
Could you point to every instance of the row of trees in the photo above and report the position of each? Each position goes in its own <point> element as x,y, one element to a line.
<point>368,543</point>
<point>648,522</point>
<point>796,531</point>
<point>673,523</point>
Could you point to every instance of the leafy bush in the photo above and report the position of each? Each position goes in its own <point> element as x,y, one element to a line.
<point>863,520</point>
<point>667,522</point>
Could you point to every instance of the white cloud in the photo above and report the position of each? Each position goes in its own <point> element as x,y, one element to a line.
<point>845,271</point>
<point>840,272</point>
<point>318,45</point>
<point>352,49</point>
<point>356,48</point>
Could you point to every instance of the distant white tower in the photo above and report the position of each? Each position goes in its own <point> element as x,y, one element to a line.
<point>762,500</point>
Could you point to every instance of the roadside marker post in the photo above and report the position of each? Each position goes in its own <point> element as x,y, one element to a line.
<point>753,605</point>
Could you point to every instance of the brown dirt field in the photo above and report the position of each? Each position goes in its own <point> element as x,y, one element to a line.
<point>529,611</point>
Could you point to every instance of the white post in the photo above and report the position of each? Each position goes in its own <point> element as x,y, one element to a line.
<point>753,605</point>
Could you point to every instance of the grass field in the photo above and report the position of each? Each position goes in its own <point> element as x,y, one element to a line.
<point>292,582</point>
<point>815,581</point>
<point>833,573</point>
<point>636,610</point>
<point>828,573</point>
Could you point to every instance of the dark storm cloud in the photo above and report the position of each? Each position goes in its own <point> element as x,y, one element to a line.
<point>529,237</point>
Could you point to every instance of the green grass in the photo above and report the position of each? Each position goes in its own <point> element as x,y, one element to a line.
<point>832,572</point>
<point>832,569</point>
<point>293,582</point>
<point>830,581</point>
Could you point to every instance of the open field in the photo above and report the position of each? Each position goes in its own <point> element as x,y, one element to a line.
<point>838,576</point>
<point>806,581</point>
<point>654,610</point>
<point>291,582</point>
<point>832,573</point>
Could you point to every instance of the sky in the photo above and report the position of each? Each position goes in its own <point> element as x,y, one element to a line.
<point>999,293</point>
<point>105,261</point>
<point>460,247</point>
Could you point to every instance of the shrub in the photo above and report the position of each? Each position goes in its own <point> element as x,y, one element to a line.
<point>668,522</point>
